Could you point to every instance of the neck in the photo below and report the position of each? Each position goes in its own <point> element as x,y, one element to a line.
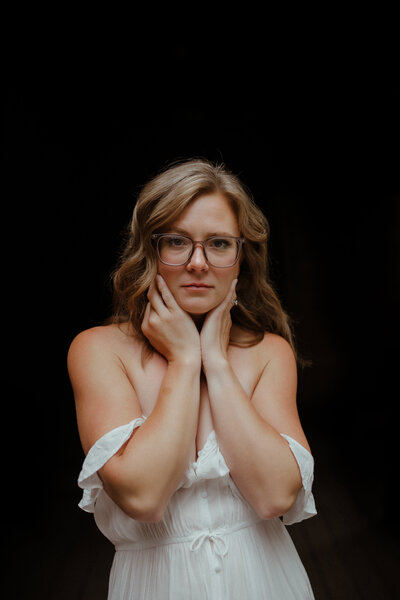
<point>198,320</point>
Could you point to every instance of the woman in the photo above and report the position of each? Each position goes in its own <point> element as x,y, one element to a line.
<point>186,403</point>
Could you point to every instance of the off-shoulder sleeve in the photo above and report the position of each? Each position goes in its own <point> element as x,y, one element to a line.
<point>304,506</point>
<point>96,458</point>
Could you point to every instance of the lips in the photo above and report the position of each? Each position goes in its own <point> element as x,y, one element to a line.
<point>196,285</point>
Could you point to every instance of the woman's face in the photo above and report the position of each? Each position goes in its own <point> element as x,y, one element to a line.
<point>197,286</point>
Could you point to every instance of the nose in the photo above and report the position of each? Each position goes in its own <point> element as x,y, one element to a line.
<point>198,260</point>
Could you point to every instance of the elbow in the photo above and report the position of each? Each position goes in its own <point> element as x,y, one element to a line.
<point>140,506</point>
<point>276,507</point>
<point>148,515</point>
<point>144,511</point>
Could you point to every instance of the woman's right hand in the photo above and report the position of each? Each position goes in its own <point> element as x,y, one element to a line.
<point>169,329</point>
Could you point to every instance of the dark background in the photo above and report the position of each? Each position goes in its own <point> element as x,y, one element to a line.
<point>315,135</point>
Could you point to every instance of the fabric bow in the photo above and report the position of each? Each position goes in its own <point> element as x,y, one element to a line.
<point>219,544</point>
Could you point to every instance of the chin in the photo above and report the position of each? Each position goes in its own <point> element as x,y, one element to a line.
<point>197,308</point>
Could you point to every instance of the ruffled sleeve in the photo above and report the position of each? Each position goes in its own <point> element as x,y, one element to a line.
<point>96,458</point>
<point>304,507</point>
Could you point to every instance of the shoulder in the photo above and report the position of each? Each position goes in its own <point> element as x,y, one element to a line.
<point>276,348</point>
<point>99,343</point>
<point>90,340</point>
<point>104,395</point>
<point>275,395</point>
<point>278,358</point>
<point>90,349</point>
<point>101,336</point>
<point>271,359</point>
<point>271,348</point>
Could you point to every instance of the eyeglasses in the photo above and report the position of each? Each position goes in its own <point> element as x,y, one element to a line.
<point>176,250</point>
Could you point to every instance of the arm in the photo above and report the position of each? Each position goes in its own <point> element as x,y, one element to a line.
<point>141,477</point>
<point>260,460</point>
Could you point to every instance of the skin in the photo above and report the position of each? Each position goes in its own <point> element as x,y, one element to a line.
<point>194,383</point>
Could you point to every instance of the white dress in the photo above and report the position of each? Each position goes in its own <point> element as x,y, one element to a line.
<point>210,544</point>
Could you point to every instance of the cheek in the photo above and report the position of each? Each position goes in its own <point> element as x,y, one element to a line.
<point>169,274</point>
<point>234,274</point>
<point>229,277</point>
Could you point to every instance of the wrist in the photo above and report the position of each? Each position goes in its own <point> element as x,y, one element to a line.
<point>187,361</point>
<point>215,365</point>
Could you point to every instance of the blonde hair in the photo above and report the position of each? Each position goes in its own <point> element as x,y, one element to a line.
<point>159,203</point>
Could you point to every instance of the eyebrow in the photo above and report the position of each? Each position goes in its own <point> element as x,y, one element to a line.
<point>208,235</point>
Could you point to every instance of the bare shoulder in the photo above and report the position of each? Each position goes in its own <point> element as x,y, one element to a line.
<point>103,340</point>
<point>95,336</point>
<point>104,395</point>
<point>271,350</point>
<point>279,366</point>
<point>96,359</point>
<point>275,396</point>
<point>273,367</point>
<point>277,350</point>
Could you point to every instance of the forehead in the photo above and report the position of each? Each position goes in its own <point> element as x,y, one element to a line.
<point>208,214</point>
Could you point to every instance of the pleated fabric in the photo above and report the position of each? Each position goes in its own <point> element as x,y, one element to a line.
<point>210,544</point>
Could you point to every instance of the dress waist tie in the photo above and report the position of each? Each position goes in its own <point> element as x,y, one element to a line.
<point>196,539</point>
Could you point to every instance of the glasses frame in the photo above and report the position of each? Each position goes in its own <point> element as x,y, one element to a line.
<point>239,240</point>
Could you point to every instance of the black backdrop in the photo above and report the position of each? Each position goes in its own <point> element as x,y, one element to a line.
<point>320,153</point>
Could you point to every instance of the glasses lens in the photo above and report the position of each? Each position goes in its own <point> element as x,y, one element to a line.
<point>177,249</point>
<point>222,251</point>
<point>174,249</point>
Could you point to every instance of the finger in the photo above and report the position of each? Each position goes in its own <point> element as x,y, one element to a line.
<point>228,302</point>
<point>151,289</point>
<point>166,295</point>
<point>145,320</point>
<point>155,299</point>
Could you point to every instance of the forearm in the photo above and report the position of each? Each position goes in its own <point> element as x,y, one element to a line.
<point>147,472</point>
<point>260,460</point>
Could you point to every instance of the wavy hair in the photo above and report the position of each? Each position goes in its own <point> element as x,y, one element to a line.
<point>159,203</point>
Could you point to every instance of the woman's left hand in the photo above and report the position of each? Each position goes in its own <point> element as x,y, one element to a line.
<point>214,335</point>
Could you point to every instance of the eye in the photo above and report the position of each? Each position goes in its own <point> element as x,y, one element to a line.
<point>221,243</point>
<point>176,241</point>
